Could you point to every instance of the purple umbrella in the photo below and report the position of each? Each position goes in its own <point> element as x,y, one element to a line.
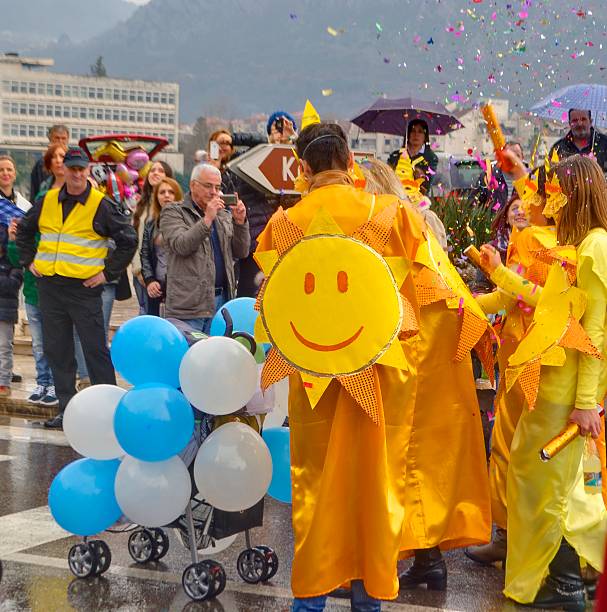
<point>592,97</point>
<point>391,116</point>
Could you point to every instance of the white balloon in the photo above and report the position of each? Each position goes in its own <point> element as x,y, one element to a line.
<point>88,422</point>
<point>152,494</point>
<point>280,409</point>
<point>218,375</point>
<point>233,468</point>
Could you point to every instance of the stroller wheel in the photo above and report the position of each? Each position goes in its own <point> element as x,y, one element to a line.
<point>162,543</point>
<point>82,560</point>
<point>104,556</point>
<point>251,565</point>
<point>197,581</point>
<point>142,546</point>
<point>271,561</point>
<point>219,576</point>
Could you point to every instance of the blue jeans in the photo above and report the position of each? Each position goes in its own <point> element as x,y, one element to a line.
<point>142,296</point>
<point>359,601</point>
<point>107,303</point>
<point>44,376</point>
<point>203,324</point>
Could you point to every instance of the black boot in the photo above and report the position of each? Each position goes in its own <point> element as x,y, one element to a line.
<point>428,568</point>
<point>564,587</point>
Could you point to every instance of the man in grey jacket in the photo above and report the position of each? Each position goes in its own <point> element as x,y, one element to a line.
<point>203,237</point>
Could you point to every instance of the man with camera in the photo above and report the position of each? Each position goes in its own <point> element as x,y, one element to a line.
<point>204,234</point>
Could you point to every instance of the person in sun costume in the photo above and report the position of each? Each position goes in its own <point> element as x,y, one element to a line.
<point>447,491</point>
<point>338,306</point>
<point>559,364</point>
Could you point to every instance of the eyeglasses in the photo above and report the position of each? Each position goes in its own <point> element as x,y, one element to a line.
<point>208,186</point>
<point>221,143</point>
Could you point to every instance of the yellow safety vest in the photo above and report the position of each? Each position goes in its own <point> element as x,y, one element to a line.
<point>72,247</point>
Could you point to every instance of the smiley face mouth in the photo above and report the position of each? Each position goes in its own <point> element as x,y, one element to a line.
<point>325,347</point>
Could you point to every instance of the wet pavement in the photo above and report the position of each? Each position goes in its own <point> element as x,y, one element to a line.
<point>33,550</point>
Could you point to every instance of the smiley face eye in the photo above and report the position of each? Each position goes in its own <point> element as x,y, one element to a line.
<point>309,283</point>
<point>342,281</point>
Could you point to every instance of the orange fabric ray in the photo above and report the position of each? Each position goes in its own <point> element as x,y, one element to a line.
<point>430,287</point>
<point>529,380</point>
<point>284,231</point>
<point>484,351</point>
<point>257,305</point>
<point>409,325</point>
<point>550,256</point>
<point>575,337</point>
<point>275,369</point>
<point>376,231</point>
<point>471,332</point>
<point>363,388</point>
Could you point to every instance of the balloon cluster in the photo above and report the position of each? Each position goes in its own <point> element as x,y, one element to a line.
<point>131,440</point>
<point>120,173</point>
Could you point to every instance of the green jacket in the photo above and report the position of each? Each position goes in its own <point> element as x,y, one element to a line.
<point>30,290</point>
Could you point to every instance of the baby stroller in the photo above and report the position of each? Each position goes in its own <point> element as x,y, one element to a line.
<point>199,529</point>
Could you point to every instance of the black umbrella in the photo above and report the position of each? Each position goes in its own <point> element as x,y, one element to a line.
<point>391,116</point>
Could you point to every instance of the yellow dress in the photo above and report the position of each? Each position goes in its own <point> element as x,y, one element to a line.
<point>547,501</point>
<point>522,254</point>
<point>447,492</point>
<point>348,483</point>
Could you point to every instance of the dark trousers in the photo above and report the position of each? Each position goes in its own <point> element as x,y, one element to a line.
<point>65,303</point>
<point>248,270</point>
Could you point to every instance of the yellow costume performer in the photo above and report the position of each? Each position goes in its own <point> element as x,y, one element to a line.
<point>552,521</point>
<point>349,433</point>
<point>447,493</point>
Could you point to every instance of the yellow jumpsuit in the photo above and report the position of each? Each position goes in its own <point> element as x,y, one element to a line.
<point>447,493</point>
<point>547,501</point>
<point>522,251</point>
<point>347,473</point>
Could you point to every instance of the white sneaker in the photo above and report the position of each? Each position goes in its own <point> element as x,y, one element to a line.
<point>37,395</point>
<point>49,399</point>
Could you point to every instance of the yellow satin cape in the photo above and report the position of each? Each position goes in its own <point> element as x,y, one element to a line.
<point>447,491</point>
<point>347,473</point>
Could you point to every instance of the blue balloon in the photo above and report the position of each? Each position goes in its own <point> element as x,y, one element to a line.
<point>243,316</point>
<point>153,422</point>
<point>82,499</point>
<point>277,439</point>
<point>148,349</point>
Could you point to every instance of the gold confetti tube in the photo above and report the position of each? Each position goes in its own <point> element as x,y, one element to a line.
<point>474,255</point>
<point>560,441</point>
<point>493,127</point>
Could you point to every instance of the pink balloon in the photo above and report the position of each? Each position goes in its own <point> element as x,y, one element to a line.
<point>137,159</point>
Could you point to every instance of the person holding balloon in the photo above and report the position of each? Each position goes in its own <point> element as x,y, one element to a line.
<point>152,253</point>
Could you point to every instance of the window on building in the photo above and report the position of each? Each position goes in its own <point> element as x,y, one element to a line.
<point>115,115</point>
<point>155,97</point>
<point>148,97</point>
<point>58,90</point>
<point>49,110</point>
<point>31,89</point>
<point>163,118</point>
<point>57,111</point>
<point>163,98</point>
<point>14,129</point>
<point>132,95</point>
<point>148,117</point>
<point>154,117</point>
<point>23,109</point>
<point>67,91</point>
<point>14,87</point>
<point>31,131</point>
<point>75,112</point>
<point>82,112</point>
<point>49,89</point>
<point>14,108</point>
<point>41,88</point>
<point>124,95</point>
<point>23,87</point>
<point>99,93</point>
<point>22,130</point>
<point>40,131</point>
<point>67,111</point>
<point>132,116</point>
<point>91,92</point>
<point>139,116</point>
<point>99,114</point>
<point>116,94</point>
<point>107,114</point>
<point>124,115</point>
<point>139,96</point>
<point>171,118</point>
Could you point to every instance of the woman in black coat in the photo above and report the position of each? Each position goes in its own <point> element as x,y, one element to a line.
<point>152,253</point>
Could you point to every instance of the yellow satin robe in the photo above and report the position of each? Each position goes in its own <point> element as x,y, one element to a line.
<point>347,473</point>
<point>547,501</point>
<point>522,250</point>
<point>447,492</point>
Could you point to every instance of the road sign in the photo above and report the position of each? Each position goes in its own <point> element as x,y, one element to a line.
<point>271,168</point>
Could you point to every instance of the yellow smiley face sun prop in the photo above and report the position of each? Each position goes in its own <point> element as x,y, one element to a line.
<point>331,307</point>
